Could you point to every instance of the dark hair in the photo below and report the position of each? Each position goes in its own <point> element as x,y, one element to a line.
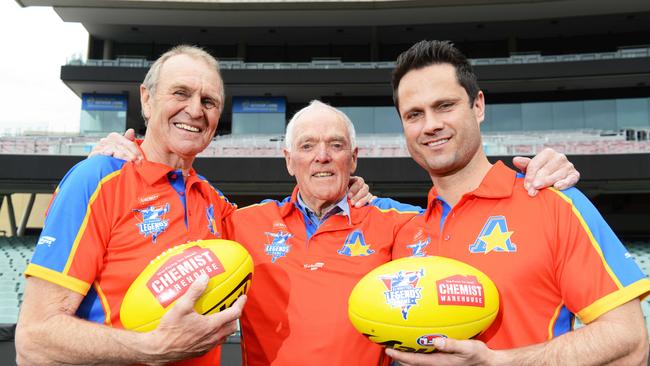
<point>425,53</point>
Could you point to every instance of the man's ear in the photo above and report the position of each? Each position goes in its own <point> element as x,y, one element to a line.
<point>479,107</point>
<point>355,154</point>
<point>287,160</point>
<point>145,100</point>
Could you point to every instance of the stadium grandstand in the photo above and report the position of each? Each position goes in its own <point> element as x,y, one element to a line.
<point>573,75</point>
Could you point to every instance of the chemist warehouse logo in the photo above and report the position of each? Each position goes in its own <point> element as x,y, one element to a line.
<point>494,237</point>
<point>176,275</point>
<point>152,221</point>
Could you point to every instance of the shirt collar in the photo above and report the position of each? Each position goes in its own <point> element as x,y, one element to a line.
<point>151,172</point>
<point>342,207</point>
<point>499,182</point>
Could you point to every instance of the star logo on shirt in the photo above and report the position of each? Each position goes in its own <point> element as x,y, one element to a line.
<point>497,240</point>
<point>494,237</point>
<point>355,246</point>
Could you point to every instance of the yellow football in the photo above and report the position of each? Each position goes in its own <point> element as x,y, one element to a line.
<point>228,265</point>
<point>407,303</point>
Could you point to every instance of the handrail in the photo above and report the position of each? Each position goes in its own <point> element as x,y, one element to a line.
<point>516,59</point>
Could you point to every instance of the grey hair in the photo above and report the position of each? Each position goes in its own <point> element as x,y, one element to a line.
<point>288,138</point>
<point>150,81</point>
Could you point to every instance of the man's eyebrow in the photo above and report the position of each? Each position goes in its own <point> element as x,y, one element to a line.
<point>446,100</point>
<point>305,138</point>
<point>179,84</point>
<point>337,138</point>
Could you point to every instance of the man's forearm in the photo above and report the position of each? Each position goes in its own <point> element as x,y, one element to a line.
<point>606,341</point>
<point>66,340</point>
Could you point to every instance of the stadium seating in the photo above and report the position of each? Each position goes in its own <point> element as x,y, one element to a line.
<point>15,253</point>
<point>576,142</point>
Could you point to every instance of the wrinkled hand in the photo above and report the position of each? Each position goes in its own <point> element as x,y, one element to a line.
<point>118,146</point>
<point>359,192</point>
<point>548,168</point>
<point>450,352</point>
<point>183,333</point>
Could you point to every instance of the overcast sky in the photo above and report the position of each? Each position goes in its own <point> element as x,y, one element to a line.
<point>35,43</point>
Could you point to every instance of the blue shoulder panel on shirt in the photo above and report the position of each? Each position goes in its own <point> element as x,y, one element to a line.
<point>91,307</point>
<point>284,201</point>
<point>616,255</point>
<point>215,188</point>
<point>68,209</point>
<point>563,323</point>
<point>388,203</point>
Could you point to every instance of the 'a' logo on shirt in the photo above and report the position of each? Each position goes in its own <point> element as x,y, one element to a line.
<point>355,245</point>
<point>494,237</point>
<point>152,221</point>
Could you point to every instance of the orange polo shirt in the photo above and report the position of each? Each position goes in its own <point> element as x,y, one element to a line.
<point>552,257</point>
<point>296,312</point>
<point>109,219</point>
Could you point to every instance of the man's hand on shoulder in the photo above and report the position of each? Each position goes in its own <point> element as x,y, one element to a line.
<point>546,169</point>
<point>359,192</point>
<point>118,146</point>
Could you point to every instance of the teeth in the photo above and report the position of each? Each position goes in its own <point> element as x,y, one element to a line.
<point>436,143</point>
<point>323,174</point>
<point>183,126</point>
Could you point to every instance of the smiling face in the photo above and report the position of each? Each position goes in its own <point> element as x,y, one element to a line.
<point>184,112</point>
<point>321,157</point>
<point>440,125</point>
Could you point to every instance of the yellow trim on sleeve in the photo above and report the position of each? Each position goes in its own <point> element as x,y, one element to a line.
<point>254,205</point>
<point>107,308</point>
<point>640,289</point>
<point>592,240</point>
<point>551,323</point>
<point>58,278</point>
<point>396,211</point>
<point>82,228</point>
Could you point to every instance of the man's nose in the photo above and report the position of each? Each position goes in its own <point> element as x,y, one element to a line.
<point>432,123</point>
<point>194,107</point>
<point>322,153</point>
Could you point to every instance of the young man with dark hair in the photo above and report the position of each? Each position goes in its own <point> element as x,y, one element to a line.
<point>551,256</point>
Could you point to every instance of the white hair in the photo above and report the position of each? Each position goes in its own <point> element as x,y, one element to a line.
<point>288,138</point>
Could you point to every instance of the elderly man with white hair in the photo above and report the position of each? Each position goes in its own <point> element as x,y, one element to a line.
<point>311,249</point>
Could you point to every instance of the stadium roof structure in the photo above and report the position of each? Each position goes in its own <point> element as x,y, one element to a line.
<point>274,13</point>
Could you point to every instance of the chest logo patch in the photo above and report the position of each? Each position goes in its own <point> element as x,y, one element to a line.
<point>355,246</point>
<point>494,237</point>
<point>152,221</point>
<point>419,249</point>
<point>402,290</point>
<point>212,223</point>
<point>278,246</point>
